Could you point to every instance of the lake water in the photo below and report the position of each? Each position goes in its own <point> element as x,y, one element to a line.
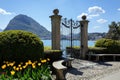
<point>65,43</point>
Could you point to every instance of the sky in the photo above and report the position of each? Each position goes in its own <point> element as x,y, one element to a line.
<point>100,13</point>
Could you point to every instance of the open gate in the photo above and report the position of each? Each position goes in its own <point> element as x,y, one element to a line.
<point>70,36</point>
<point>70,30</point>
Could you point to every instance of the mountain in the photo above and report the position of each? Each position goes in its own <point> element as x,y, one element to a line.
<point>23,22</point>
<point>91,36</point>
<point>95,36</point>
<point>1,30</point>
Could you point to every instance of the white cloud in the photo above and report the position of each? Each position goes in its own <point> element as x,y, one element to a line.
<point>4,12</point>
<point>89,16</point>
<point>79,17</point>
<point>101,21</point>
<point>118,9</point>
<point>92,12</point>
<point>96,10</point>
<point>96,27</point>
<point>92,15</point>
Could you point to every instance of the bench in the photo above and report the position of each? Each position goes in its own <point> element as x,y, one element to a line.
<point>102,55</point>
<point>59,67</point>
<point>68,62</point>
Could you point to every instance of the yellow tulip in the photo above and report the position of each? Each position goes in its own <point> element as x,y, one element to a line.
<point>3,66</point>
<point>11,64</point>
<point>48,59</point>
<point>39,64</point>
<point>24,66</point>
<point>26,63</point>
<point>19,65</point>
<point>17,69</point>
<point>8,64</point>
<point>14,67</point>
<point>12,72</point>
<point>33,63</point>
<point>33,66</point>
<point>29,62</point>
<point>20,68</point>
<point>44,61</point>
<point>5,62</point>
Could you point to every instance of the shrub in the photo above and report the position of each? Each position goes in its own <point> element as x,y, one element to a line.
<point>113,46</point>
<point>97,50</point>
<point>18,45</point>
<point>53,54</point>
<point>73,52</point>
<point>100,42</point>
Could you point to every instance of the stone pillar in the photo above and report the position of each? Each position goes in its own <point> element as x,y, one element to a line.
<point>84,37</point>
<point>55,22</point>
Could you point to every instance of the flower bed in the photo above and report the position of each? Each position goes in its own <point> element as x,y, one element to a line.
<point>30,70</point>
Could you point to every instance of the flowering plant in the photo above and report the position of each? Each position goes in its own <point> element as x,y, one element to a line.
<point>30,70</point>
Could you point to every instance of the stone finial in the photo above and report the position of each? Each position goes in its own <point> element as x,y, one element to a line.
<point>84,17</point>
<point>55,11</point>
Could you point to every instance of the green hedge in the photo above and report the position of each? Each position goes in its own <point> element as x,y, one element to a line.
<point>96,50</point>
<point>20,45</point>
<point>53,54</point>
<point>113,46</point>
<point>91,50</point>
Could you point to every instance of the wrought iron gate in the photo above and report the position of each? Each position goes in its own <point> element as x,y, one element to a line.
<point>70,35</point>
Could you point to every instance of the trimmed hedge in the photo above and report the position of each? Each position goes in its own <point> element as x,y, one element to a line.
<point>96,50</point>
<point>113,46</point>
<point>20,45</point>
<point>53,54</point>
<point>91,50</point>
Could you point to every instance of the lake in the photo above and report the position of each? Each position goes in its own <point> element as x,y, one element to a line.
<point>65,43</point>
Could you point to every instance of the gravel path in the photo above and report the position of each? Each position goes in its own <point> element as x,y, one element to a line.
<point>88,70</point>
<point>115,76</point>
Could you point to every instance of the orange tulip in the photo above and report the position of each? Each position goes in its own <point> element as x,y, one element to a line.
<point>3,66</point>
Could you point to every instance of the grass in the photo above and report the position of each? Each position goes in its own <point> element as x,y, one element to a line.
<point>47,48</point>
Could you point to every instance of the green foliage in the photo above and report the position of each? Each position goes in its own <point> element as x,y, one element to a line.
<point>114,31</point>
<point>113,46</point>
<point>74,47</point>
<point>100,42</point>
<point>47,48</point>
<point>20,45</point>
<point>37,70</point>
<point>53,54</point>
<point>96,50</point>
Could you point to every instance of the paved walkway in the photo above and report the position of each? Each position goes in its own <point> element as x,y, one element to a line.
<point>113,76</point>
<point>88,70</point>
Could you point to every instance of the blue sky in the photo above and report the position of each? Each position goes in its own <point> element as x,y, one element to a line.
<point>100,13</point>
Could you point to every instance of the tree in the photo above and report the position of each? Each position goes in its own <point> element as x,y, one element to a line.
<point>114,31</point>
